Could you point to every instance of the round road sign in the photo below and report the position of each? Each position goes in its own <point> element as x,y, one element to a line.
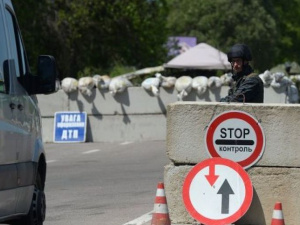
<point>235,135</point>
<point>217,191</point>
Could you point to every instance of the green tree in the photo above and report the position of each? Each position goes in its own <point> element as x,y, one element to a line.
<point>95,35</point>
<point>103,33</point>
<point>288,20</point>
<point>223,23</point>
<point>33,21</point>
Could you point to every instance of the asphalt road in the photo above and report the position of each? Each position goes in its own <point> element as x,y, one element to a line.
<point>102,183</point>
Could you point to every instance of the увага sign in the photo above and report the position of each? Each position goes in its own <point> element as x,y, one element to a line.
<point>237,136</point>
<point>69,127</point>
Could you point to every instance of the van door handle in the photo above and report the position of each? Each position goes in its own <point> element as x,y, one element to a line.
<point>12,105</point>
<point>20,107</point>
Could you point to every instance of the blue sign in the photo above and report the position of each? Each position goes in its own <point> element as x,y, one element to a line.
<point>69,127</point>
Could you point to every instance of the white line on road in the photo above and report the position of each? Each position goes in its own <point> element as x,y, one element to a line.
<point>91,151</point>
<point>141,220</point>
<point>126,143</point>
<point>51,161</point>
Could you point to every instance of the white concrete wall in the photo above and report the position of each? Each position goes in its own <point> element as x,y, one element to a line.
<point>134,115</point>
<point>276,177</point>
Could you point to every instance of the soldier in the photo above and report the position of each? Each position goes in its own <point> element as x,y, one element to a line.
<point>247,87</point>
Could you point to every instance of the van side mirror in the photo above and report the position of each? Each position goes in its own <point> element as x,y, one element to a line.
<point>47,75</point>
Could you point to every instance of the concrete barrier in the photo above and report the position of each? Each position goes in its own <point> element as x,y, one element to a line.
<point>134,115</point>
<point>276,177</point>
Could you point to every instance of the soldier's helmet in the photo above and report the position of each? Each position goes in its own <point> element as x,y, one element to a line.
<point>239,51</point>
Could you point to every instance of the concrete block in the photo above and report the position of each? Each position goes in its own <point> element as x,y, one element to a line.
<point>270,184</point>
<point>187,123</point>
<point>275,95</point>
<point>117,128</point>
<point>135,100</point>
<point>49,104</point>
<point>126,128</point>
<point>173,180</point>
<point>47,125</point>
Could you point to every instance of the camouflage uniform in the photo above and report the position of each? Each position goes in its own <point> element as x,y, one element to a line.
<point>247,86</point>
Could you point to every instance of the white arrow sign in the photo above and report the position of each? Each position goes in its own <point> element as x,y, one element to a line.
<point>217,191</point>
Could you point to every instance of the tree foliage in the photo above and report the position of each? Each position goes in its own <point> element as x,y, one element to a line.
<point>223,23</point>
<point>96,35</point>
<point>287,14</point>
<point>99,34</point>
<point>32,18</point>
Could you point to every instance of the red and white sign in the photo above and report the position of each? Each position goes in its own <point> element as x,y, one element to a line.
<point>217,191</point>
<point>235,135</point>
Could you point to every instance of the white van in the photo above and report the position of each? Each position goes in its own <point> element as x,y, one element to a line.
<point>22,156</point>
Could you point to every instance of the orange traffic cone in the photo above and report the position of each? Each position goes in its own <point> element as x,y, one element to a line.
<point>160,214</point>
<point>277,218</point>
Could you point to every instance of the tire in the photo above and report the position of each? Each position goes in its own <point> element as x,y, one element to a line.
<point>37,212</point>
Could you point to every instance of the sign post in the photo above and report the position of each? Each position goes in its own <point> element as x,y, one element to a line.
<point>217,191</point>
<point>235,135</point>
<point>69,127</point>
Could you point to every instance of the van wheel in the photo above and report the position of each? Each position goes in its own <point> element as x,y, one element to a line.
<point>37,212</point>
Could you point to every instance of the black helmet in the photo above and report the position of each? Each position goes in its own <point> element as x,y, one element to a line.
<point>239,51</point>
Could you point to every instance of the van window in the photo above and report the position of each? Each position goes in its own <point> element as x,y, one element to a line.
<point>22,53</point>
<point>17,48</point>
<point>12,41</point>
<point>3,52</point>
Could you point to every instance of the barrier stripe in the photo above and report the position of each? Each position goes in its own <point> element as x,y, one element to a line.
<point>277,222</point>
<point>161,200</point>
<point>160,185</point>
<point>278,206</point>
<point>160,192</point>
<point>277,214</point>
<point>161,208</point>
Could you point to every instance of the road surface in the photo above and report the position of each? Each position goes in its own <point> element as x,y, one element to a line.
<point>102,183</point>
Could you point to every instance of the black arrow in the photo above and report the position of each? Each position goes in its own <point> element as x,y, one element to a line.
<point>225,190</point>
